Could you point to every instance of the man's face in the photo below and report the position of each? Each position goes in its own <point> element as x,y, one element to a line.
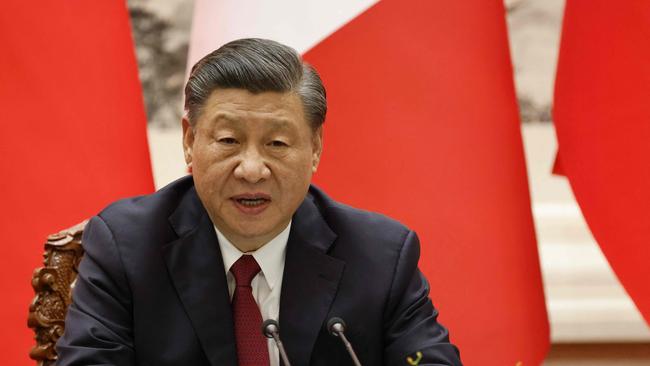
<point>252,156</point>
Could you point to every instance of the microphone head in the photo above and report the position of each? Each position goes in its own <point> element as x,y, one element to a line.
<point>335,326</point>
<point>270,327</point>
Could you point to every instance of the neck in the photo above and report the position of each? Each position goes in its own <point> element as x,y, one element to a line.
<point>247,244</point>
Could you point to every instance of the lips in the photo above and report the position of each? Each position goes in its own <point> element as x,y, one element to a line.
<point>251,203</point>
<point>254,202</point>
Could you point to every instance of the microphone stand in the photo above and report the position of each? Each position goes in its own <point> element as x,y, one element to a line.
<point>271,329</point>
<point>336,326</point>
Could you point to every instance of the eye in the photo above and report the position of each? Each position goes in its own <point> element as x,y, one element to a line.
<point>278,143</point>
<point>227,140</point>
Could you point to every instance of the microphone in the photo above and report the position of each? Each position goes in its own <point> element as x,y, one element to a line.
<point>336,327</point>
<point>271,329</point>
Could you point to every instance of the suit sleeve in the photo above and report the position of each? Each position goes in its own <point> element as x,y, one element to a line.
<point>411,324</point>
<point>98,325</point>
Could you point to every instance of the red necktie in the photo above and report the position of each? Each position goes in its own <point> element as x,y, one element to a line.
<point>252,346</point>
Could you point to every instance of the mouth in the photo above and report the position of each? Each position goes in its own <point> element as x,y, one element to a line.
<point>253,203</point>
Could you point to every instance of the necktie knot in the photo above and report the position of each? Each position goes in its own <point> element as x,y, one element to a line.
<point>244,270</point>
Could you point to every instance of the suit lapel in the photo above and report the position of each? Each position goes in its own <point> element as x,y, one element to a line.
<point>195,266</point>
<point>309,283</point>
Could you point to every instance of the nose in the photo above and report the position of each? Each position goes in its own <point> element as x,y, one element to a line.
<point>252,167</point>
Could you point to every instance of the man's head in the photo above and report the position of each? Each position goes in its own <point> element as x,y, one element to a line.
<point>252,134</point>
<point>256,65</point>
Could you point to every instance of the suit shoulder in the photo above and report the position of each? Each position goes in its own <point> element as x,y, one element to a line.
<point>345,219</point>
<point>144,210</point>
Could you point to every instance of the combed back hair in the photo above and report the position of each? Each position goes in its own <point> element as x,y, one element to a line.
<point>257,65</point>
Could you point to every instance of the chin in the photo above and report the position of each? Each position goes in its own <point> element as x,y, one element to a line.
<point>249,232</point>
<point>256,234</point>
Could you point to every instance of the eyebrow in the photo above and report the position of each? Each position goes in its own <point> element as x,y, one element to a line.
<point>279,124</point>
<point>225,116</point>
<point>274,123</point>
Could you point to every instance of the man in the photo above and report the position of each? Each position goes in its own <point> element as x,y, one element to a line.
<point>186,275</point>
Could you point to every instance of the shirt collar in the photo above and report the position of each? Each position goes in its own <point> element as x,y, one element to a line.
<point>269,256</point>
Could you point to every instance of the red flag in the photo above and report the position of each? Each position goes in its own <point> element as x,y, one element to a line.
<point>72,136</point>
<point>602,119</point>
<point>423,126</point>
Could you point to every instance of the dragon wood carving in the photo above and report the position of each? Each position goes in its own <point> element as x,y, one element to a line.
<point>53,286</point>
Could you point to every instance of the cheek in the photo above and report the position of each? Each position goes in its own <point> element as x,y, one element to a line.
<point>216,175</point>
<point>212,173</point>
<point>209,157</point>
<point>296,173</point>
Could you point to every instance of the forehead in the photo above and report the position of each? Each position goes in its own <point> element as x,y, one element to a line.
<point>235,106</point>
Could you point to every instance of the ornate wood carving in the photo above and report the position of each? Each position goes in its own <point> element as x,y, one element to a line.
<point>53,284</point>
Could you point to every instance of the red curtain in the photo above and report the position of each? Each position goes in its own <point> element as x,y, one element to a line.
<point>602,119</point>
<point>423,126</point>
<point>72,135</point>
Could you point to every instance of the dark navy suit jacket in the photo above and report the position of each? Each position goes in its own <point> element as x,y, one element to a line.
<point>152,290</point>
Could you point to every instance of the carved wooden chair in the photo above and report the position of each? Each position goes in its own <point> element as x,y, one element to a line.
<point>53,287</point>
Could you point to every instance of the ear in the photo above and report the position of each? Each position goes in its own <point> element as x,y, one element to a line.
<point>188,141</point>
<point>317,148</point>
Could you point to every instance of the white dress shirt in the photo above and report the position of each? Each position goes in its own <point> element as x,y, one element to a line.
<point>267,284</point>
